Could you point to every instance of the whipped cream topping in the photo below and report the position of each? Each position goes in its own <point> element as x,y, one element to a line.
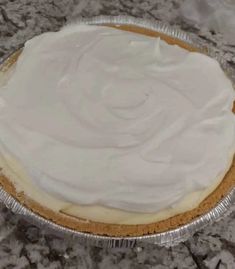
<point>98,116</point>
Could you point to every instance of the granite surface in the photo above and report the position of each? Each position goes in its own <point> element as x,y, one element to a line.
<point>23,245</point>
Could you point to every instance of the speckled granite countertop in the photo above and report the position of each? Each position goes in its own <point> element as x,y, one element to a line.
<point>23,245</point>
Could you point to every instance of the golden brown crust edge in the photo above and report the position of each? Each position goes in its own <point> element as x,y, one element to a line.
<point>124,230</point>
<point>99,228</point>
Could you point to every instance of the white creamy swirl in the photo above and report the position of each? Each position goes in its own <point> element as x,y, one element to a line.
<point>107,117</point>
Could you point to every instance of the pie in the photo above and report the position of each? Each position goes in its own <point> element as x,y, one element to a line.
<point>117,131</point>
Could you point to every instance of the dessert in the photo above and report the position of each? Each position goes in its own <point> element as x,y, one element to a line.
<point>115,132</point>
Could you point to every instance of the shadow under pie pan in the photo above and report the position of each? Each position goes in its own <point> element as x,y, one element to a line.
<point>166,232</point>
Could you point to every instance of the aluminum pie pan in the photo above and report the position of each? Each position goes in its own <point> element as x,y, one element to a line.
<point>168,238</point>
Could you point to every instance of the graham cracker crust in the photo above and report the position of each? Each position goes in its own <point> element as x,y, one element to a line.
<point>99,228</point>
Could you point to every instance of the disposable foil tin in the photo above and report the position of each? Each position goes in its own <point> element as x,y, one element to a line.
<point>169,238</point>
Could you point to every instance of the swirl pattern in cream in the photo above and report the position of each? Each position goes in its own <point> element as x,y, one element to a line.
<point>99,116</point>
